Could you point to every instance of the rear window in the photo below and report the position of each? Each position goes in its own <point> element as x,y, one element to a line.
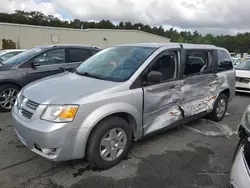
<point>93,52</point>
<point>77,55</point>
<point>224,61</point>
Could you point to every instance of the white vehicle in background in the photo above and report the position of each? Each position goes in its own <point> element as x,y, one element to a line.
<point>240,172</point>
<point>7,54</point>
<point>236,61</point>
<point>243,77</point>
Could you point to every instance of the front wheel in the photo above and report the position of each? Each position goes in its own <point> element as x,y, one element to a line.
<point>109,143</point>
<point>8,94</point>
<point>220,108</point>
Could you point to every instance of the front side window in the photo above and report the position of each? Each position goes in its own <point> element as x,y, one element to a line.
<point>224,61</point>
<point>166,65</point>
<point>77,55</point>
<point>115,63</point>
<point>197,62</point>
<point>51,57</point>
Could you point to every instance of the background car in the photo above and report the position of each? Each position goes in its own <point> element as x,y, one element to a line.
<point>236,61</point>
<point>37,63</point>
<point>240,171</point>
<point>7,54</point>
<point>243,77</point>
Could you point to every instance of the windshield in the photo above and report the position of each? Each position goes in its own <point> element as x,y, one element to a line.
<point>244,66</point>
<point>116,63</point>
<point>22,56</point>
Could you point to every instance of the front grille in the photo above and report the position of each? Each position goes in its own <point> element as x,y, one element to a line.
<point>31,104</point>
<point>243,80</point>
<point>242,88</point>
<point>26,107</point>
<point>26,113</point>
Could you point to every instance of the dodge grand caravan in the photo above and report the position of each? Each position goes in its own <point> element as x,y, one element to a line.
<point>36,63</point>
<point>119,95</point>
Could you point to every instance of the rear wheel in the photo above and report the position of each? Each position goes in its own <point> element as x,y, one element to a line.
<point>220,108</point>
<point>8,94</point>
<point>109,143</point>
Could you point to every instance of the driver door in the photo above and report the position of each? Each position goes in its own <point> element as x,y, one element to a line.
<point>161,100</point>
<point>46,64</point>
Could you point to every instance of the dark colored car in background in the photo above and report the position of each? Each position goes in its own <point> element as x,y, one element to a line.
<point>37,63</point>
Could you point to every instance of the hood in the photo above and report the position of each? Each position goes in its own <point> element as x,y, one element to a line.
<point>64,88</point>
<point>242,73</point>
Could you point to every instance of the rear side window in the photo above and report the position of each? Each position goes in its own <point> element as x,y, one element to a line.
<point>197,62</point>
<point>224,61</point>
<point>93,52</point>
<point>77,55</point>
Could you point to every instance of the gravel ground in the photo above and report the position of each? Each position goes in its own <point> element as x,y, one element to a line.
<point>194,155</point>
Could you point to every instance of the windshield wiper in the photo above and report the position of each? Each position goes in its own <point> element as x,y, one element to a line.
<point>89,75</point>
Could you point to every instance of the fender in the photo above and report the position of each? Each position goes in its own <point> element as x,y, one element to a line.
<point>109,109</point>
<point>96,116</point>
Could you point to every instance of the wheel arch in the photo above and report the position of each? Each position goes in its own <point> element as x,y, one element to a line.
<point>226,92</point>
<point>12,82</point>
<point>123,110</point>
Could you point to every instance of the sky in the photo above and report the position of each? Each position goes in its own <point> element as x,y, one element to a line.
<point>205,16</point>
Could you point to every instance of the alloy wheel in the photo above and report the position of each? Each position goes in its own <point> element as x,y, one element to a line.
<point>8,98</point>
<point>113,144</point>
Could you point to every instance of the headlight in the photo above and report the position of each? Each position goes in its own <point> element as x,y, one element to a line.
<point>59,113</point>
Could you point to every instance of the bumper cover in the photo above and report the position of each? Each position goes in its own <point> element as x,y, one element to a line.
<point>68,143</point>
<point>242,87</point>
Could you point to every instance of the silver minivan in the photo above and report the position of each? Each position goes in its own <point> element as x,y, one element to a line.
<point>119,95</point>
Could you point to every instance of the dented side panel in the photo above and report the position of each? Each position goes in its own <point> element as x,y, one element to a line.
<point>200,93</point>
<point>161,105</point>
<point>164,105</point>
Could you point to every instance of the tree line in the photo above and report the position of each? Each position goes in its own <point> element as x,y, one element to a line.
<point>239,43</point>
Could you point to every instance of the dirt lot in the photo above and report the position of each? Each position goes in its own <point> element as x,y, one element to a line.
<point>195,155</point>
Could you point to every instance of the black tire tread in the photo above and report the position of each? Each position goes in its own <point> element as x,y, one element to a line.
<point>213,115</point>
<point>93,143</point>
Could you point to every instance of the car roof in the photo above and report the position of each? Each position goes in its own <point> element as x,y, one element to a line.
<point>174,45</point>
<point>12,50</point>
<point>68,46</point>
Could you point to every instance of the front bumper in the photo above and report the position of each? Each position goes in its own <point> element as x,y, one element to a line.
<point>242,87</point>
<point>240,172</point>
<point>54,141</point>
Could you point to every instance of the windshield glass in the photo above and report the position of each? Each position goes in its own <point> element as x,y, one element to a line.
<point>22,56</point>
<point>244,65</point>
<point>115,64</point>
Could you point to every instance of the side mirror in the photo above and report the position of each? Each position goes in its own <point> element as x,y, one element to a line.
<point>154,77</point>
<point>35,64</point>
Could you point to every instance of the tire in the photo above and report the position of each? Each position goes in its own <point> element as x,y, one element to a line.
<point>219,116</point>
<point>104,130</point>
<point>4,90</point>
